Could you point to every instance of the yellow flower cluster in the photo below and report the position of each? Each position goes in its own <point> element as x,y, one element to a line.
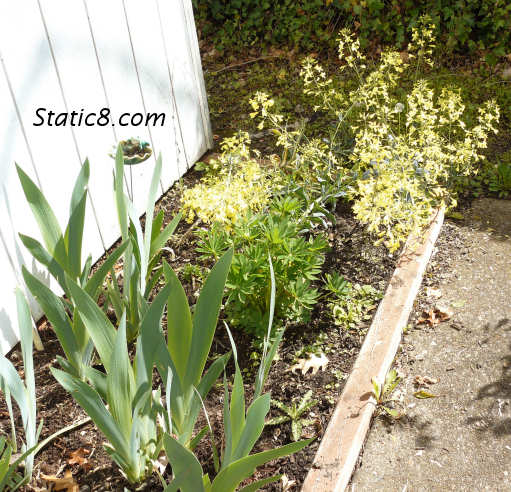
<point>233,185</point>
<point>408,150</point>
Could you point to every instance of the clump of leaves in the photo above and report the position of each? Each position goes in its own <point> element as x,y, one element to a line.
<point>382,393</point>
<point>296,260</point>
<point>500,179</point>
<point>352,303</point>
<point>294,413</point>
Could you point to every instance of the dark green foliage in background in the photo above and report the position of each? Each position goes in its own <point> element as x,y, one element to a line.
<point>465,26</point>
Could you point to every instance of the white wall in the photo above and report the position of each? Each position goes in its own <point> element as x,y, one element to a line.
<point>136,56</point>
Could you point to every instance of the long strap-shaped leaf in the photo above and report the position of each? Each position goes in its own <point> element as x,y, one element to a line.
<point>185,467</point>
<point>91,402</point>
<point>230,477</point>
<point>98,325</point>
<point>74,230</point>
<point>179,323</point>
<point>54,310</point>
<point>205,318</point>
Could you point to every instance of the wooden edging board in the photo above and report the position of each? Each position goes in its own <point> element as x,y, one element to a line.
<point>340,447</point>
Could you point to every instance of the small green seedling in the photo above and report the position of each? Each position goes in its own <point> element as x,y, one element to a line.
<point>382,393</point>
<point>294,414</point>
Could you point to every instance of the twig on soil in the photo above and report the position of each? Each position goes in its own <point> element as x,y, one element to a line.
<point>214,72</point>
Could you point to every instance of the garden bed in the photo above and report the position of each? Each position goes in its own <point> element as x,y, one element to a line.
<point>351,254</point>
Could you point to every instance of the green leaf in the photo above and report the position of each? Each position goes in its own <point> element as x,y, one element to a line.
<point>42,256</point>
<point>205,318</point>
<point>120,382</point>
<point>424,394</point>
<point>74,231</point>
<point>96,281</point>
<point>179,323</point>
<point>46,220</point>
<point>258,484</point>
<point>296,429</point>
<point>151,199</point>
<point>56,314</point>
<point>157,223</point>
<point>230,477</point>
<point>254,426</point>
<point>161,239</point>
<point>150,338</point>
<point>185,467</point>
<point>91,402</point>
<point>98,325</point>
<point>120,197</point>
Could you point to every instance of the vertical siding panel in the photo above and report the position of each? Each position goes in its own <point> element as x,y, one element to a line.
<point>116,59</point>
<point>185,81</point>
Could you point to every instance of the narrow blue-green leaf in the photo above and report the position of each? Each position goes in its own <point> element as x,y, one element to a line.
<point>86,271</point>
<point>157,223</point>
<point>120,382</point>
<point>253,428</point>
<point>231,476</point>
<point>97,380</point>
<point>91,402</point>
<point>46,220</point>
<point>179,323</point>
<point>268,352</point>
<point>205,318</point>
<point>151,200</point>
<point>74,230</point>
<point>120,197</point>
<point>96,281</point>
<point>98,325</point>
<point>57,316</point>
<point>74,236</point>
<point>258,484</point>
<point>206,383</point>
<point>237,406</point>
<point>161,239</point>
<point>185,467</point>
<point>42,256</point>
<point>150,336</point>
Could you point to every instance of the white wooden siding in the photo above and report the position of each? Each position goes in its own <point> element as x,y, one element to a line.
<point>132,56</point>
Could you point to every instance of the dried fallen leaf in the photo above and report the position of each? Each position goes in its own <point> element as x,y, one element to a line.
<point>314,362</point>
<point>67,483</point>
<point>287,484</point>
<point>79,457</point>
<point>422,395</point>
<point>434,316</point>
<point>424,380</point>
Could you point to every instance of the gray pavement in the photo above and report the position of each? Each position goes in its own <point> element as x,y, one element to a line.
<point>460,440</point>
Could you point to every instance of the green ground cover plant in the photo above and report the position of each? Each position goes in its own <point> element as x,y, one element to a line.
<point>462,27</point>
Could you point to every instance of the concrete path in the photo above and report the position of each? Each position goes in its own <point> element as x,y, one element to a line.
<point>461,440</point>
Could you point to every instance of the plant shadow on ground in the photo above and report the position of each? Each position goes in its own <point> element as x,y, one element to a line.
<point>498,395</point>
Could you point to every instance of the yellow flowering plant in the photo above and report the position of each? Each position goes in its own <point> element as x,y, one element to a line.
<point>234,184</point>
<point>408,149</point>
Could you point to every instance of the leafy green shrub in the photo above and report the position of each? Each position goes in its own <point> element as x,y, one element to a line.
<point>296,260</point>
<point>465,26</point>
